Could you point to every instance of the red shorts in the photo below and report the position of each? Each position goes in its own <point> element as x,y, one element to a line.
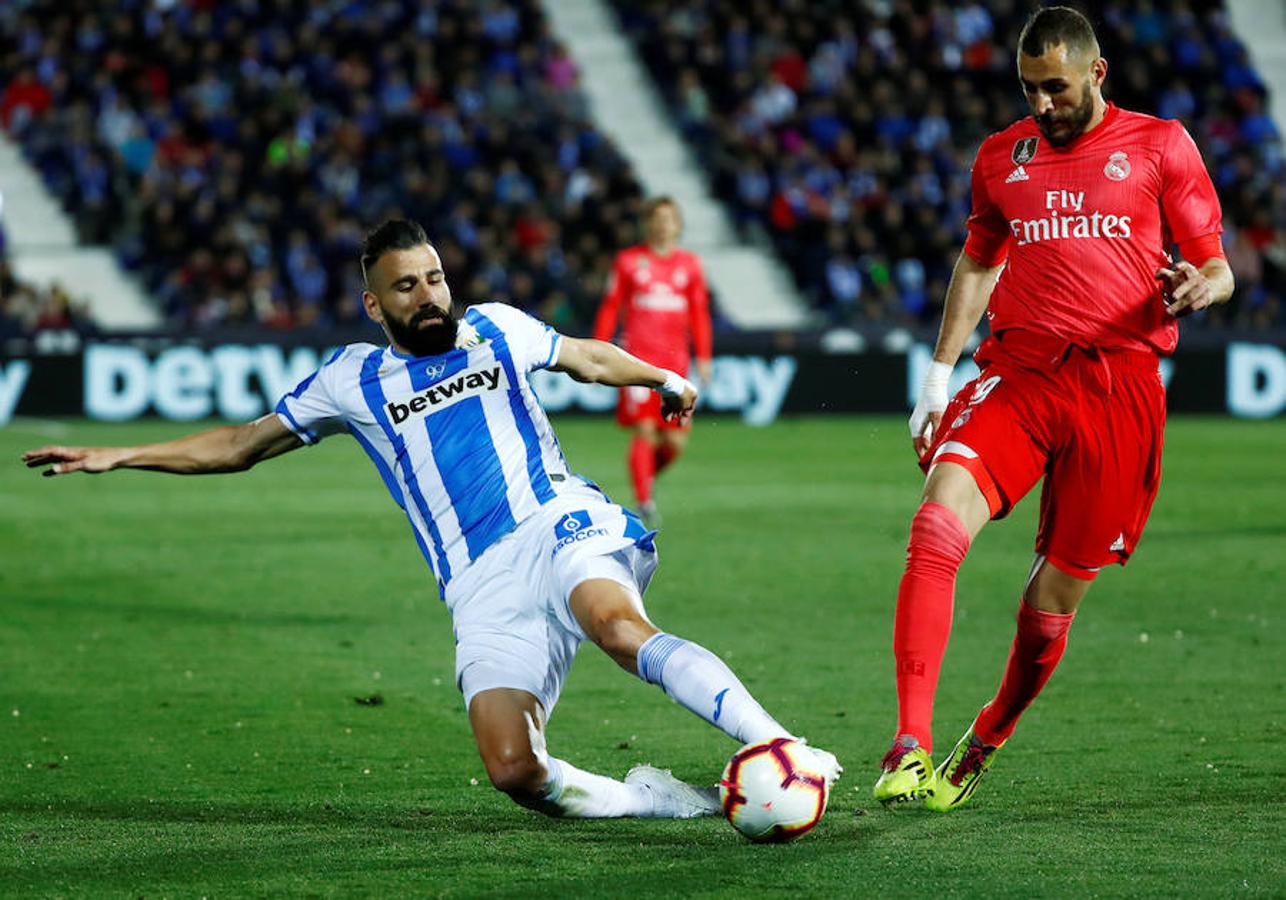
<point>1090,421</point>
<point>640,404</point>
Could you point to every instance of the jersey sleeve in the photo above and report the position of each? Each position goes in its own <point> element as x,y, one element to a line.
<point>988,240</point>
<point>532,343</point>
<point>1189,203</point>
<point>609,310</point>
<point>699,312</point>
<point>311,410</point>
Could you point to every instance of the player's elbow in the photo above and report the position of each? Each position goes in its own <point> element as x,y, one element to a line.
<point>240,453</point>
<point>593,362</point>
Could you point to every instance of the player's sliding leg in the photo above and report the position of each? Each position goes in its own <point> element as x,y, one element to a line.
<point>1044,617</point>
<point>953,511</point>
<point>612,615</point>
<point>509,728</point>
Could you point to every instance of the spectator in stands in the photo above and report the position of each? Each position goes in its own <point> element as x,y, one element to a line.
<point>858,122</point>
<point>196,139</point>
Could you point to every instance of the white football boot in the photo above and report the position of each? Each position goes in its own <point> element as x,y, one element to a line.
<point>675,799</point>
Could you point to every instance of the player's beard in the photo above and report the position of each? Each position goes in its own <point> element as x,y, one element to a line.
<point>1061,130</point>
<point>427,333</point>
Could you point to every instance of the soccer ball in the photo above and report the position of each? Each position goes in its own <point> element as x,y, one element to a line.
<point>771,792</point>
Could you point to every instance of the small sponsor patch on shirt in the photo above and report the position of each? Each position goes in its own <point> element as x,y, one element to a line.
<point>1024,151</point>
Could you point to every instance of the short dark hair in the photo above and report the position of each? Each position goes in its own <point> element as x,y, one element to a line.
<point>1056,25</point>
<point>395,234</point>
<point>655,203</point>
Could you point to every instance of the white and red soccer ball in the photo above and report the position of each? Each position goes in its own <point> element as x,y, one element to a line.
<point>772,792</point>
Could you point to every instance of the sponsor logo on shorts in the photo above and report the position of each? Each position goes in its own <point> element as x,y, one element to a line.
<point>575,527</point>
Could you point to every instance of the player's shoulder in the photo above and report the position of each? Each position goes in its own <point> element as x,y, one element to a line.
<point>349,355</point>
<point>627,255</point>
<point>1015,144</point>
<point>501,315</point>
<point>688,256</point>
<point>1143,123</point>
<point>1143,130</point>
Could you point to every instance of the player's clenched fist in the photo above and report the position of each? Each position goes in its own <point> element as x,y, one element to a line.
<point>678,396</point>
<point>928,409</point>
<point>1185,290</point>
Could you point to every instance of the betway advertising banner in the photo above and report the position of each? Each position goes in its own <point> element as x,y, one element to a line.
<point>122,380</point>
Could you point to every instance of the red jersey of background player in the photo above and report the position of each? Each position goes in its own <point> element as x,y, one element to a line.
<point>667,309</point>
<point>1086,226</point>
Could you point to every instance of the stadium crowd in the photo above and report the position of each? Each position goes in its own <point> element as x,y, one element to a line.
<point>234,152</point>
<point>27,308</point>
<point>846,130</point>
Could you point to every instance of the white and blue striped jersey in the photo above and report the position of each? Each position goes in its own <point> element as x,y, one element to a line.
<point>460,439</point>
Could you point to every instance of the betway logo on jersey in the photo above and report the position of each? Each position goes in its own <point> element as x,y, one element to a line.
<point>1066,219</point>
<point>447,393</point>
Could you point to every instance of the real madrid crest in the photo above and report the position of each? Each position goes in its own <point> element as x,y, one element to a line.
<point>1118,166</point>
<point>1024,150</point>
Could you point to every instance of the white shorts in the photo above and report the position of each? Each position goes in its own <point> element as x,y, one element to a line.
<point>514,626</point>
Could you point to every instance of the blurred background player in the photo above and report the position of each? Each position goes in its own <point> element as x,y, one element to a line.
<point>1078,204</point>
<point>667,319</point>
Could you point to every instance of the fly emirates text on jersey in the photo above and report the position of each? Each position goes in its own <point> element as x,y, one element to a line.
<point>1066,219</point>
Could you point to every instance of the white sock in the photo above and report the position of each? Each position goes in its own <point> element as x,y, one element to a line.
<point>578,794</point>
<point>700,681</point>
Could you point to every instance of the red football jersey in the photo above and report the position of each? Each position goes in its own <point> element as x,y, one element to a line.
<point>667,309</point>
<point>1085,227</point>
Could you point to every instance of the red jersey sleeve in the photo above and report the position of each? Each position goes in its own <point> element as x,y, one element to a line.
<point>699,312</point>
<point>1189,204</point>
<point>988,240</point>
<point>609,310</point>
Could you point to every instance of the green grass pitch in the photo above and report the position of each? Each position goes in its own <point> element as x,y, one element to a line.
<point>181,661</point>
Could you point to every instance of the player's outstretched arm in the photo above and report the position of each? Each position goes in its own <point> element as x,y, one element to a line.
<point>966,301</point>
<point>231,448</point>
<point>599,362</point>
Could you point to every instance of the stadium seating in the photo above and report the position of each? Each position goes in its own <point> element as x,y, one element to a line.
<point>26,308</point>
<point>233,153</point>
<point>845,131</point>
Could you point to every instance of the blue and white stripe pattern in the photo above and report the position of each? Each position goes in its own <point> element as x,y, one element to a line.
<point>654,654</point>
<point>459,439</point>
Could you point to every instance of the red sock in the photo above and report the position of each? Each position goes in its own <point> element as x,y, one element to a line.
<point>642,460</point>
<point>665,454</point>
<point>1038,645</point>
<point>939,542</point>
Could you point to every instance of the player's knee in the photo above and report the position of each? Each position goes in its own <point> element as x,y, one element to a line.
<point>620,633</point>
<point>516,771</point>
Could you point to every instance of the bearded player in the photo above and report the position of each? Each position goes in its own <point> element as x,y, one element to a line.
<point>530,558</point>
<point>667,313</point>
<point>1074,211</point>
